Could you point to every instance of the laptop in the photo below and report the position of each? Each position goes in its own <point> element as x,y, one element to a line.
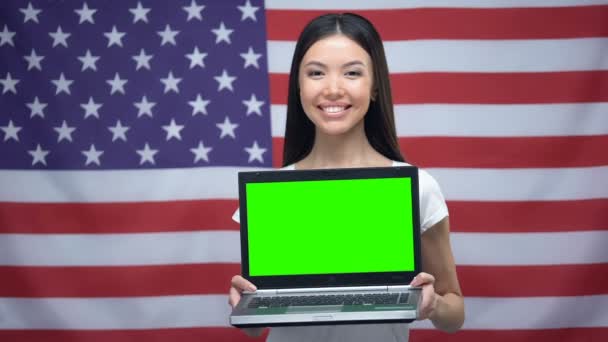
<point>331,246</point>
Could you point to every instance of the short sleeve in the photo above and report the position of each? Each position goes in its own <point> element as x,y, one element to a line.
<point>237,216</point>
<point>432,203</point>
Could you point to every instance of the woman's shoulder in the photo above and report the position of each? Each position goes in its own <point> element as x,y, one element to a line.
<point>425,179</point>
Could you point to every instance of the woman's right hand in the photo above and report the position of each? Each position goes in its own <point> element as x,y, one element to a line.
<point>239,284</point>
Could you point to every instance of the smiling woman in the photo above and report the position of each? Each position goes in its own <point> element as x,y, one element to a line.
<point>340,115</point>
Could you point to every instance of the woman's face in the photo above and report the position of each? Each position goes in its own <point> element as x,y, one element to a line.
<point>335,84</point>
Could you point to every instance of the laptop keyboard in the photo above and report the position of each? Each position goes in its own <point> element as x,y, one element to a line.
<point>348,299</point>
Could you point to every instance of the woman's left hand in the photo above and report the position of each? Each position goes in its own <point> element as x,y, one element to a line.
<point>429,297</point>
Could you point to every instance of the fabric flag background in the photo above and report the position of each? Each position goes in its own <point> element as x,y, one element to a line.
<point>123,124</point>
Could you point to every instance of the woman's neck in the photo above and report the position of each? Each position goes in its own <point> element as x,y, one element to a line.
<point>351,149</point>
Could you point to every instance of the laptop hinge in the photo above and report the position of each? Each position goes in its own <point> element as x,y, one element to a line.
<point>398,288</point>
<point>333,289</point>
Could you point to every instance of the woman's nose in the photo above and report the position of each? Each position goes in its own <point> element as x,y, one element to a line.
<point>333,88</point>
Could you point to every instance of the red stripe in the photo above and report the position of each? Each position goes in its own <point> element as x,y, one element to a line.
<point>56,218</point>
<point>234,335</point>
<point>133,281</point>
<point>465,216</point>
<point>519,152</point>
<point>529,216</point>
<point>147,335</point>
<point>484,88</point>
<point>460,23</point>
<point>474,152</point>
<point>544,335</point>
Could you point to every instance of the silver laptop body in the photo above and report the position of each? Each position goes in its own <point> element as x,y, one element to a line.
<point>342,264</point>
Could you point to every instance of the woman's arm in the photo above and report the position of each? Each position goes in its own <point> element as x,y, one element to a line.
<point>442,300</point>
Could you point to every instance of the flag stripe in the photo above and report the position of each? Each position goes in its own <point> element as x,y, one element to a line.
<point>460,23</point>
<point>490,121</point>
<point>166,280</point>
<point>542,55</point>
<point>176,216</point>
<point>208,183</point>
<point>392,4</point>
<point>213,311</point>
<point>195,334</point>
<point>484,88</point>
<point>219,334</point>
<point>506,152</point>
<point>224,247</point>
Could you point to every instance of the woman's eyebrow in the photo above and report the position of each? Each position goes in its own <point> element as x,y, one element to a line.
<point>351,63</point>
<point>315,63</point>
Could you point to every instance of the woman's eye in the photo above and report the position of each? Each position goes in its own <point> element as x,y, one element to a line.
<point>353,73</point>
<point>315,73</point>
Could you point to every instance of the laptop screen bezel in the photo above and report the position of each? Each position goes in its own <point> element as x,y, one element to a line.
<point>329,280</point>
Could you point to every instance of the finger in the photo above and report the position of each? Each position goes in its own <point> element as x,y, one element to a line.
<point>234,297</point>
<point>422,278</point>
<point>428,293</point>
<point>242,284</point>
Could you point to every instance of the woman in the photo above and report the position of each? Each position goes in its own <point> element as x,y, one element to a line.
<point>340,114</point>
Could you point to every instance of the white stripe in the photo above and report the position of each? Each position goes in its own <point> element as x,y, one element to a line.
<point>119,249</point>
<point>523,184</point>
<point>223,247</point>
<point>212,183</point>
<point>213,311</point>
<point>530,248</point>
<point>519,120</point>
<point>529,55</point>
<point>392,4</point>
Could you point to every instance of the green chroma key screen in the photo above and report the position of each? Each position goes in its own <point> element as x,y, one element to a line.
<point>330,226</point>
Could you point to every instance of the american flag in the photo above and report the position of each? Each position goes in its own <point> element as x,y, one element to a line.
<point>123,124</point>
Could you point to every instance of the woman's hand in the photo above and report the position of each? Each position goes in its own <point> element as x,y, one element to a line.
<point>238,285</point>
<point>429,297</point>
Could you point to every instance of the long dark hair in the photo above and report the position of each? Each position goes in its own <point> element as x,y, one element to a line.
<point>379,121</point>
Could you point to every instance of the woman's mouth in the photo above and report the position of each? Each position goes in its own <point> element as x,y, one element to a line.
<point>334,110</point>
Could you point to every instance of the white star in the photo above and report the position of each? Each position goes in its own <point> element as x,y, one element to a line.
<point>201,152</point>
<point>59,37</point>
<point>62,84</point>
<point>117,84</point>
<point>91,108</point>
<point>36,108</point>
<point>30,13</point>
<point>114,37</point>
<point>144,107</point>
<point>8,84</point>
<point>92,155</point>
<point>119,131</point>
<point>255,152</point>
<point>196,58</point>
<point>33,61</point>
<point>88,61</point>
<point>251,58</point>
<point>227,128</point>
<point>253,105</point>
<point>167,35</point>
<point>248,11</point>
<point>225,81</point>
<point>194,11</point>
<point>143,60</point>
<point>86,14</point>
<point>171,83</point>
<point>39,155</point>
<point>222,33</point>
<point>146,154</point>
<point>6,37</point>
<point>139,13</point>
<point>10,131</point>
<point>173,130</point>
<point>64,131</point>
<point>199,105</point>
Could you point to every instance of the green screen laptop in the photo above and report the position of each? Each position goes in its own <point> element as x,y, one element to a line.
<point>327,246</point>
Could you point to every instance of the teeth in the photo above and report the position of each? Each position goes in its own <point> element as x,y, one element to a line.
<point>333,109</point>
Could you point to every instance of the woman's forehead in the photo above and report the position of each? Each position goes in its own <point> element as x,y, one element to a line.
<point>338,49</point>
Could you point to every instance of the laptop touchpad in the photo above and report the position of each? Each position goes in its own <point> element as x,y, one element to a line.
<point>314,308</point>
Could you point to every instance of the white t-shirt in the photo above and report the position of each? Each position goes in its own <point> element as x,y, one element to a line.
<point>432,210</point>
